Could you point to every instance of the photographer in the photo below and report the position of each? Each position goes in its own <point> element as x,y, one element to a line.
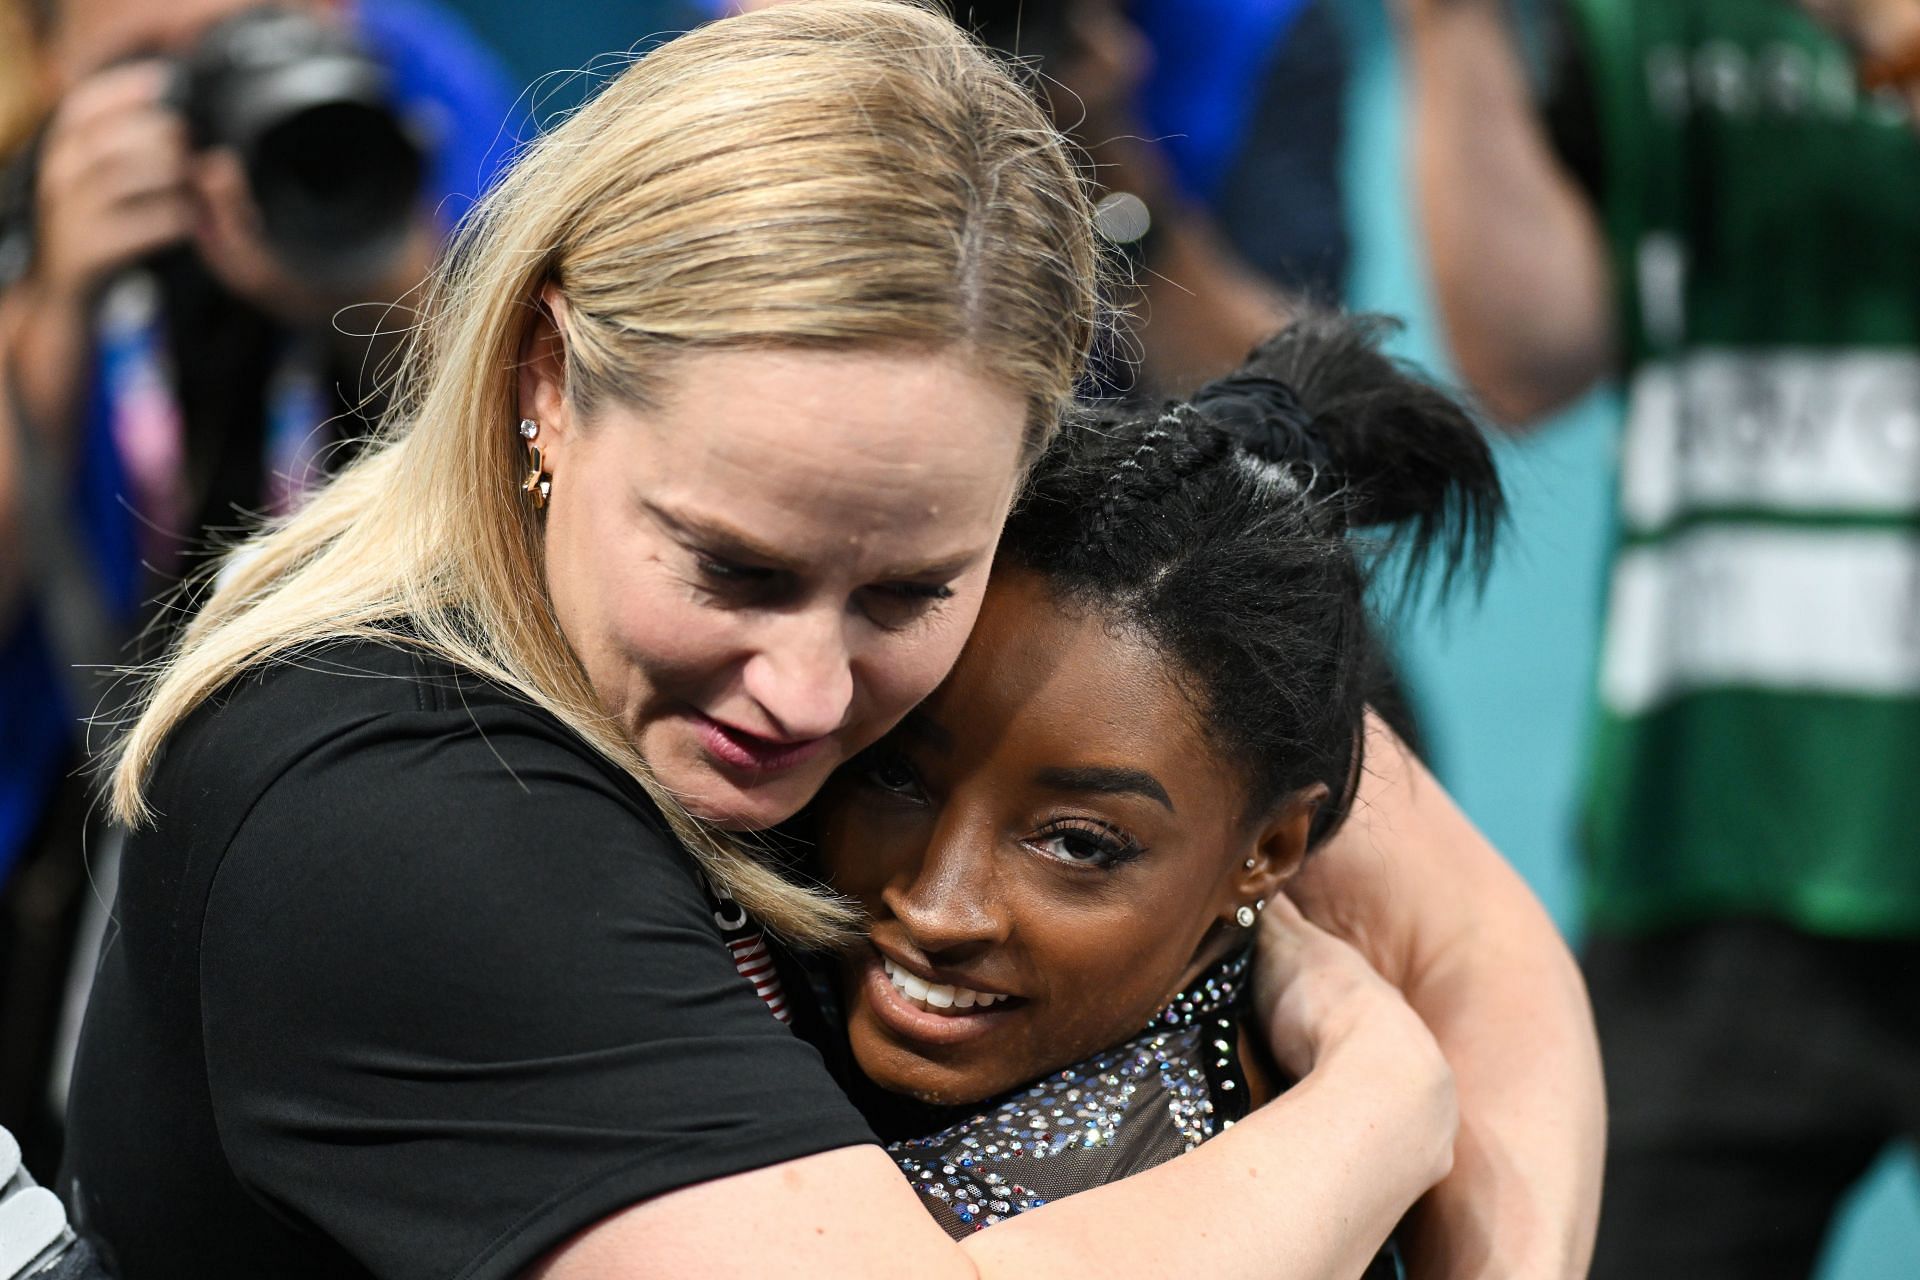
<point>216,184</point>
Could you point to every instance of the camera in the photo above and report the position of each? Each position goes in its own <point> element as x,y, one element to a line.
<point>334,170</point>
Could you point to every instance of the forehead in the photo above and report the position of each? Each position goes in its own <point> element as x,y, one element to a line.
<point>1040,686</point>
<point>805,447</point>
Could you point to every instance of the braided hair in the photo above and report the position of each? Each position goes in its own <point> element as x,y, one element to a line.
<point>1217,530</point>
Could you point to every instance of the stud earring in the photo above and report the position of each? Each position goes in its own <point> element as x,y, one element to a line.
<point>1245,917</point>
<point>538,484</point>
<point>1251,864</point>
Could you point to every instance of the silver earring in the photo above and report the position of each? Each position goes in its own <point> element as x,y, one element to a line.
<point>1244,917</point>
<point>1251,864</point>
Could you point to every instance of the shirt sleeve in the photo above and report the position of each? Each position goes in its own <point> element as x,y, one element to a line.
<point>1571,108</point>
<point>463,998</point>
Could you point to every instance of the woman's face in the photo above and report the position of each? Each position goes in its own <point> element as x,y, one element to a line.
<point>1049,849</point>
<point>762,572</point>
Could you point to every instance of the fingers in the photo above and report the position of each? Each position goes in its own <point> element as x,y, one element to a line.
<point>106,95</point>
<point>112,184</point>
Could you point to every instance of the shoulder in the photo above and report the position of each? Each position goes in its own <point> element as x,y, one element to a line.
<point>379,745</point>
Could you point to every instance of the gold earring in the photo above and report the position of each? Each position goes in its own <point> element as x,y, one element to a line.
<point>538,484</point>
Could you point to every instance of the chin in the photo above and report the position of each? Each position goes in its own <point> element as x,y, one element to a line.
<point>734,806</point>
<point>900,1070</point>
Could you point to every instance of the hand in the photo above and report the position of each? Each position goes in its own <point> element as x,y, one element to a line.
<point>1866,21</point>
<point>1322,1004</point>
<point>113,182</point>
<point>1885,37</point>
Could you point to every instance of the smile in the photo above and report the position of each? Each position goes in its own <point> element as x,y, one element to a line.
<point>928,1014</point>
<point>937,997</point>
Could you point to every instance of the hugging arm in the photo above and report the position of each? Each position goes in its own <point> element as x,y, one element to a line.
<point>1439,913</point>
<point>1306,1186</point>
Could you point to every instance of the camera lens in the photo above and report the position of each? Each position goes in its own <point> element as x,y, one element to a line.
<point>336,185</point>
<point>333,169</point>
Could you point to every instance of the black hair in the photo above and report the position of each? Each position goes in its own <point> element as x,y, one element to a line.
<point>1218,530</point>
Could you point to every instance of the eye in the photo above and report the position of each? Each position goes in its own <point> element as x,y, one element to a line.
<point>734,580</point>
<point>1084,842</point>
<point>729,571</point>
<point>885,769</point>
<point>895,604</point>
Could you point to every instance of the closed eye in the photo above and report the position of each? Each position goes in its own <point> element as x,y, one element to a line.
<point>895,605</point>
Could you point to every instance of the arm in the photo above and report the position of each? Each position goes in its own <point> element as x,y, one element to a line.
<point>1885,36</point>
<point>521,1049</point>
<point>110,189</point>
<point>1436,909</point>
<point>1199,308</point>
<point>1324,1165</point>
<point>1518,261</point>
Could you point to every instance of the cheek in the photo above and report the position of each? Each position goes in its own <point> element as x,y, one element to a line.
<point>861,851</point>
<point>1108,971</point>
<point>902,668</point>
<point>662,630</point>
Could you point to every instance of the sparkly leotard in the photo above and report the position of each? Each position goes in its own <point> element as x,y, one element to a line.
<point>1134,1106</point>
<point>1139,1104</point>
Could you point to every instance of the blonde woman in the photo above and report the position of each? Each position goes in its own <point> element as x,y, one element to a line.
<point>433,925</point>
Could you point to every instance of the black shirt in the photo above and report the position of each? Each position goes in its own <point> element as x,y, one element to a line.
<point>407,981</point>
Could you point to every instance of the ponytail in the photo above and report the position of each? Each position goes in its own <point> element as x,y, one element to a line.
<point>1387,448</point>
<point>1216,530</point>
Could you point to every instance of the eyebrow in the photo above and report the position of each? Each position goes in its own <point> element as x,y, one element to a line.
<point>736,544</point>
<point>1105,780</point>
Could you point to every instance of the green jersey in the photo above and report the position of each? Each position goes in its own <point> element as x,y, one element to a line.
<point>1757,748</point>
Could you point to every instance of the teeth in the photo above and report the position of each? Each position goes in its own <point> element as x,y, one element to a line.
<point>937,995</point>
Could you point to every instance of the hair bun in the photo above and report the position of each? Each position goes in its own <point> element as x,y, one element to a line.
<point>1265,417</point>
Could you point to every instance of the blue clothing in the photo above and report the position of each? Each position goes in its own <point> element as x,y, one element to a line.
<point>1210,57</point>
<point>454,88</point>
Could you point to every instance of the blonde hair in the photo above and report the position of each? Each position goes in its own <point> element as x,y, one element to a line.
<point>832,173</point>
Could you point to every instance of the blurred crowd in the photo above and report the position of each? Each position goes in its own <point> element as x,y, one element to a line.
<point>215,214</point>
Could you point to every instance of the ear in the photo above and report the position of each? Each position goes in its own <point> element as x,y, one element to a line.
<point>1279,847</point>
<point>543,372</point>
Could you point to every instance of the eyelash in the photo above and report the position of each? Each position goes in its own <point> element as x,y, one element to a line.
<point>868,764</point>
<point>1114,846</point>
<point>728,575</point>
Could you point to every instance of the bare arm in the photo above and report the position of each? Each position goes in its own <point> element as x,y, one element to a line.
<point>1200,308</point>
<point>1307,1186</point>
<point>1437,911</point>
<point>1518,261</point>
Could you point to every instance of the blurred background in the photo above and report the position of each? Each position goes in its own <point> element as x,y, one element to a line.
<point>1297,153</point>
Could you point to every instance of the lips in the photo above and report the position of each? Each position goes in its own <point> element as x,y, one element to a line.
<point>742,750</point>
<point>938,997</point>
<point>889,991</point>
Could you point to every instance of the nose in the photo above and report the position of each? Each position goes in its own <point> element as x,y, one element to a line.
<point>949,903</point>
<point>802,675</point>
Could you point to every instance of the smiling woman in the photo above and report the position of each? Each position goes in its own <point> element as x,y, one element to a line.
<point>430,937</point>
<point>1159,714</point>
